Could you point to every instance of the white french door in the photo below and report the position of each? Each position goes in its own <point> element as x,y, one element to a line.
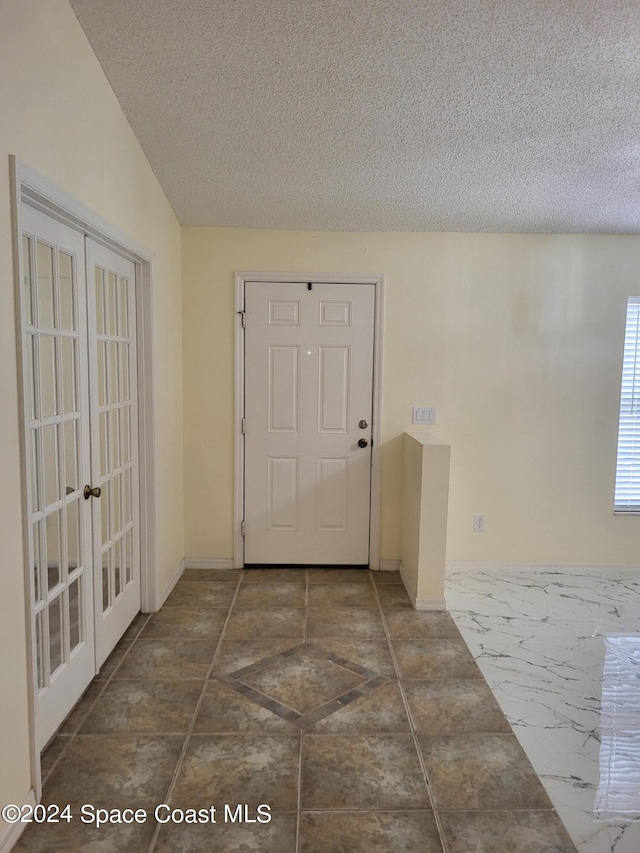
<point>114,440</point>
<point>80,435</point>
<point>54,318</point>
<point>308,411</point>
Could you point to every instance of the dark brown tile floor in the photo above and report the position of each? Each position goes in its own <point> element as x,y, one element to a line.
<point>362,724</point>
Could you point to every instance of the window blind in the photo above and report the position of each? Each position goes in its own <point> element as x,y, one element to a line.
<point>627,493</point>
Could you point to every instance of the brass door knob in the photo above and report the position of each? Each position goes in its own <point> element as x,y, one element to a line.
<point>363,442</point>
<point>94,492</point>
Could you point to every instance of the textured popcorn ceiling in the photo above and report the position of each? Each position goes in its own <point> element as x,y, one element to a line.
<point>494,115</point>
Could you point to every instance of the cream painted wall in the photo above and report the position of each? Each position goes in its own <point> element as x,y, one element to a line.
<point>59,115</point>
<point>517,339</point>
<point>425,511</point>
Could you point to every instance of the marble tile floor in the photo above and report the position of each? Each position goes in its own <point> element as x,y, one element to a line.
<point>362,724</point>
<point>560,649</point>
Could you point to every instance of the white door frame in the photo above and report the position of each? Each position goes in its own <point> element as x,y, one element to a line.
<point>376,427</point>
<point>31,188</point>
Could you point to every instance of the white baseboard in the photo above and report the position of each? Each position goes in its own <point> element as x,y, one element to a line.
<point>210,563</point>
<point>11,832</point>
<point>430,604</point>
<point>453,566</point>
<point>403,578</point>
<point>421,603</point>
<point>173,580</point>
<point>389,565</point>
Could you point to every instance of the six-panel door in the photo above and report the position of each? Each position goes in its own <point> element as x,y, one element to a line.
<point>308,393</point>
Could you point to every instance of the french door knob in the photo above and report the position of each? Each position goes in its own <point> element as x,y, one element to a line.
<point>363,442</point>
<point>94,492</point>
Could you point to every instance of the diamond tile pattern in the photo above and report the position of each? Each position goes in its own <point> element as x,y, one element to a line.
<point>367,727</point>
<point>304,683</point>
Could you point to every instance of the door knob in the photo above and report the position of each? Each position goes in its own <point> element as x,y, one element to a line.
<point>94,492</point>
<point>363,442</point>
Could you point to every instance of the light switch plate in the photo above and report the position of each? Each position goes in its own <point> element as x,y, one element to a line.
<point>422,416</point>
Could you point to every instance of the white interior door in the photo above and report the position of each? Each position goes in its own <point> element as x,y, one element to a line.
<point>54,318</point>
<point>308,409</point>
<point>77,306</point>
<point>114,433</point>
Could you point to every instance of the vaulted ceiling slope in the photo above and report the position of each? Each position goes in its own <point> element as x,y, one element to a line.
<point>390,115</point>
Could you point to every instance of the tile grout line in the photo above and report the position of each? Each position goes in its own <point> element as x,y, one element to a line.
<point>400,810</point>
<point>299,809</point>
<point>306,606</point>
<point>83,719</point>
<point>299,804</point>
<point>411,724</point>
<point>187,740</point>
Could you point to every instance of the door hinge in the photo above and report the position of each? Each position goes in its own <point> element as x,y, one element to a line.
<point>243,318</point>
<point>242,528</point>
<point>244,425</point>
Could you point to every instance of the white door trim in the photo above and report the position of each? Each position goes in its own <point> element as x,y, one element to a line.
<point>30,187</point>
<point>321,278</point>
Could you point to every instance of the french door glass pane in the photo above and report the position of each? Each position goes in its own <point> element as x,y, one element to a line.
<point>117,568</point>
<point>115,506</point>
<point>71,457</point>
<point>105,581</point>
<point>75,613</point>
<point>67,294</point>
<point>32,378</point>
<point>44,266</point>
<point>40,648</point>
<point>104,508</point>
<point>123,306</point>
<point>100,301</point>
<point>114,436</point>
<point>67,291</point>
<point>126,496</point>
<point>111,305</point>
<point>104,444</point>
<point>55,634</point>
<point>114,384</point>
<point>73,535</point>
<point>27,279</point>
<point>37,561</point>
<point>69,377</point>
<point>50,459</point>
<point>125,434</point>
<point>102,374</point>
<point>36,500</point>
<point>48,383</point>
<point>125,393</point>
<point>54,561</point>
<point>126,556</point>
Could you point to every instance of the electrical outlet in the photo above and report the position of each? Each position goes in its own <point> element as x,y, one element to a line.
<point>478,524</point>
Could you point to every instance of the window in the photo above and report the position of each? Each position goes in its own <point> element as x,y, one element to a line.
<point>627,495</point>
